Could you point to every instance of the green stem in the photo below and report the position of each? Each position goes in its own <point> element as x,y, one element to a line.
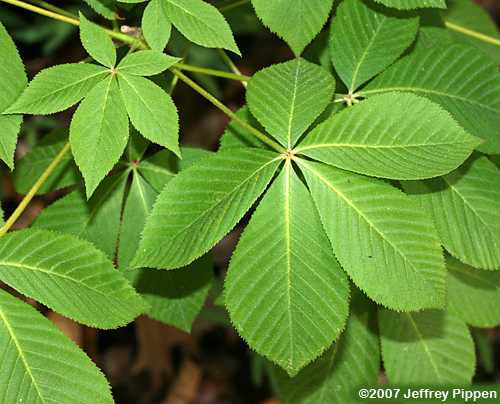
<point>231,65</point>
<point>53,8</point>
<point>258,134</point>
<point>34,189</point>
<point>234,5</point>
<point>212,72</point>
<point>473,34</point>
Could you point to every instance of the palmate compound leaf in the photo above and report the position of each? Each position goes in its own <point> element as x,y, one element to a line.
<point>380,236</point>
<point>39,364</point>
<point>151,110</point>
<point>58,88</point>
<point>426,348</point>
<point>286,98</point>
<point>97,42</point>
<point>12,82</point>
<point>473,294</point>
<point>366,38</point>
<point>352,362</point>
<point>99,132</point>
<point>465,207</point>
<point>68,275</point>
<point>156,26</point>
<point>202,204</point>
<point>397,136</point>
<point>459,78</point>
<point>297,24</point>
<point>146,63</point>
<point>412,4</point>
<point>175,297</point>
<point>285,292</point>
<point>96,220</point>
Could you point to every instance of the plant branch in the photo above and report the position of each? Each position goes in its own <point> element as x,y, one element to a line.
<point>34,189</point>
<point>212,72</point>
<point>255,132</point>
<point>472,33</point>
<point>53,8</point>
<point>231,65</point>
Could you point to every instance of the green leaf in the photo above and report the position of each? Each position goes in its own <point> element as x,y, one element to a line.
<point>2,221</point>
<point>202,204</point>
<point>465,206</point>
<point>58,88</point>
<point>146,63</point>
<point>151,110</point>
<point>68,275</point>
<point>398,136</point>
<point>99,132</point>
<point>12,82</point>
<point>156,26</point>
<point>466,14</point>
<point>40,364</point>
<point>351,362</point>
<point>35,162</point>
<point>158,169</point>
<point>386,244</point>
<point>286,98</point>
<point>201,23</point>
<point>106,8</point>
<point>469,89</point>
<point>473,294</point>
<point>412,4</point>
<point>97,42</point>
<point>285,292</point>
<point>426,348</point>
<point>366,38</point>
<point>237,136</point>
<point>96,220</point>
<point>297,24</point>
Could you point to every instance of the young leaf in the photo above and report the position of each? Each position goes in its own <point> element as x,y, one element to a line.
<point>12,82</point>
<point>398,136</point>
<point>99,132</point>
<point>146,63</point>
<point>68,275</point>
<point>297,24</point>
<point>156,26</point>
<point>380,237</point>
<point>473,295</point>
<point>97,42</point>
<point>351,362</point>
<point>34,163</point>
<point>366,38</point>
<point>39,364</point>
<point>426,348</point>
<point>285,291</point>
<point>459,78</point>
<point>58,88</point>
<point>202,204</point>
<point>288,97</point>
<point>412,4</point>
<point>465,206</point>
<point>151,110</point>
<point>96,220</point>
<point>201,23</point>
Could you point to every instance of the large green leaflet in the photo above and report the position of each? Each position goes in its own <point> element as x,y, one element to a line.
<point>458,77</point>
<point>68,275</point>
<point>426,348</point>
<point>412,139</point>
<point>39,364</point>
<point>412,4</point>
<point>156,26</point>
<point>146,63</point>
<point>465,207</point>
<point>473,294</point>
<point>12,83</point>
<point>57,88</point>
<point>297,24</point>
<point>365,39</point>
<point>185,225</point>
<point>352,362</point>
<point>97,42</point>
<point>285,271</point>
<point>380,237</point>
<point>286,98</point>
<point>99,132</point>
